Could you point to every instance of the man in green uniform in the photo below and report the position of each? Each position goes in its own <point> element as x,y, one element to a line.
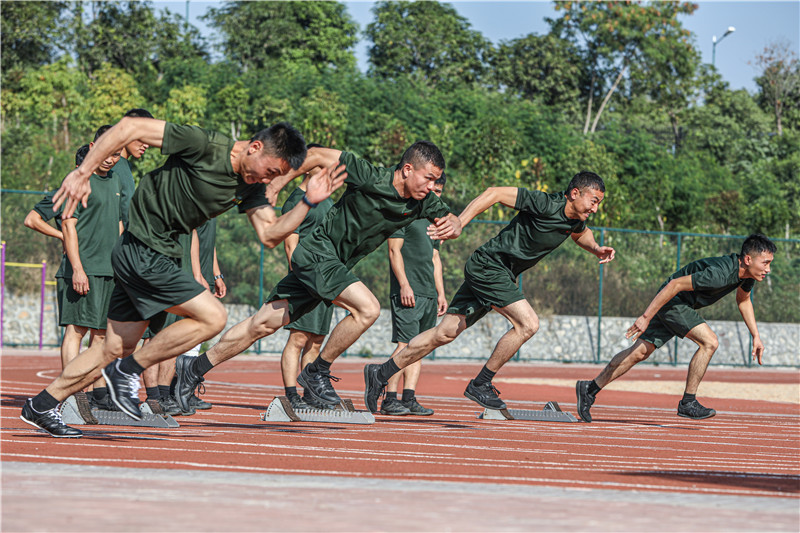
<point>205,175</point>
<point>417,298</point>
<point>136,150</point>
<point>307,332</point>
<point>378,201</point>
<point>673,312</point>
<point>490,275</point>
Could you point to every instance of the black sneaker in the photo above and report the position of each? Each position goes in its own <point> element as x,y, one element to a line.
<point>693,409</point>
<point>187,382</point>
<point>84,408</point>
<point>123,389</point>
<point>374,388</point>
<point>104,405</point>
<point>197,403</point>
<point>585,400</point>
<point>313,403</point>
<point>171,407</point>
<point>318,385</point>
<point>394,408</point>
<point>416,409</point>
<point>50,421</point>
<point>298,403</point>
<point>484,395</point>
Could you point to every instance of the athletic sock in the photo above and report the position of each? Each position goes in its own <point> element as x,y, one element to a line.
<point>408,395</point>
<point>128,365</point>
<point>90,395</point>
<point>164,392</point>
<point>43,402</point>
<point>291,392</point>
<point>319,365</point>
<point>202,365</point>
<point>593,388</point>
<point>153,393</point>
<point>688,397</point>
<point>387,370</point>
<point>484,376</point>
<point>391,395</point>
<point>100,393</point>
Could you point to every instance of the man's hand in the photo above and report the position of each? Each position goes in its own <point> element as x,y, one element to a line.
<point>325,182</point>
<point>272,193</point>
<point>758,349</point>
<point>441,304</point>
<point>448,227</point>
<point>80,283</point>
<point>74,189</point>
<point>407,296</point>
<point>604,253</point>
<point>220,290</point>
<point>637,328</point>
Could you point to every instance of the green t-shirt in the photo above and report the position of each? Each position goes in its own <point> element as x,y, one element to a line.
<point>97,227</point>
<point>368,213</point>
<point>712,278</point>
<point>314,216</point>
<point>126,187</point>
<point>197,183</point>
<point>538,229</point>
<point>417,252</point>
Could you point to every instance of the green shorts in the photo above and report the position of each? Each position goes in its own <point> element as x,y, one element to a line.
<point>316,321</point>
<point>147,282</point>
<point>159,322</point>
<point>89,310</point>
<point>669,322</point>
<point>408,322</point>
<point>486,285</point>
<point>314,278</point>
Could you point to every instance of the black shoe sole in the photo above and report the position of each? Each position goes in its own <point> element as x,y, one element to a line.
<point>580,403</point>
<point>474,399</point>
<point>303,383</point>
<point>34,424</point>
<point>697,417</point>
<point>113,394</point>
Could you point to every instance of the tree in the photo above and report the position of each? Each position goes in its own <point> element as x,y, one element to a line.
<point>30,36</point>
<point>780,78</point>
<point>426,42</point>
<point>622,42</point>
<point>261,35</point>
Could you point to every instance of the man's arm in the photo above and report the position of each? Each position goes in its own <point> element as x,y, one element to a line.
<point>682,284</point>
<point>220,289</point>
<point>315,157</point>
<point>80,282</point>
<point>75,187</point>
<point>504,195</point>
<point>35,222</point>
<point>585,240</point>
<point>438,279</point>
<point>289,245</point>
<point>399,270</point>
<point>749,316</point>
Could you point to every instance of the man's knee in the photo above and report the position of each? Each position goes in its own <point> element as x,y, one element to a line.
<point>711,343</point>
<point>215,318</point>
<point>529,327</point>
<point>368,312</point>
<point>448,330</point>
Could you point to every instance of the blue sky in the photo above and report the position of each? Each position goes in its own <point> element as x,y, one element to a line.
<point>757,24</point>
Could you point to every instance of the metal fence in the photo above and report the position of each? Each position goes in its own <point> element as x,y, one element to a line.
<point>567,282</point>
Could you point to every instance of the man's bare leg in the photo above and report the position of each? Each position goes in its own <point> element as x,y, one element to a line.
<point>624,361</point>
<point>267,320</point>
<point>71,343</point>
<point>707,343</point>
<point>301,345</point>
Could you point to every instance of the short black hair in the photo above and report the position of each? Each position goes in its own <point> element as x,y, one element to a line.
<point>314,145</point>
<point>586,180</point>
<point>283,141</point>
<point>101,130</point>
<point>442,179</point>
<point>421,153</point>
<point>80,154</point>
<point>757,244</point>
<point>138,112</point>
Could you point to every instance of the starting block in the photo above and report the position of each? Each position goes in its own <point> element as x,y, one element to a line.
<point>280,410</point>
<point>551,413</point>
<point>72,416</point>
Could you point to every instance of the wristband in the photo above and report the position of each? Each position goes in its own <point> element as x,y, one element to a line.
<point>219,276</point>
<point>307,202</point>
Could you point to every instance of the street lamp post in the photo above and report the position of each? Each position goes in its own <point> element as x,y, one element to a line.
<point>714,42</point>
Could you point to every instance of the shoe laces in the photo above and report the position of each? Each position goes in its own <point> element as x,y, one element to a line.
<point>327,377</point>
<point>201,389</point>
<point>55,414</point>
<point>492,388</point>
<point>133,384</point>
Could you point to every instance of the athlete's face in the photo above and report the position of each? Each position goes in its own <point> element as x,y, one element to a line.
<point>108,163</point>
<point>256,166</point>
<point>136,149</point>
<point>585,202</point>
<point>420,181</point>
<point>437,189</point>
<point>758,265</point>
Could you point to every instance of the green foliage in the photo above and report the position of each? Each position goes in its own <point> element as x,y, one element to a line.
<point>29,35</point>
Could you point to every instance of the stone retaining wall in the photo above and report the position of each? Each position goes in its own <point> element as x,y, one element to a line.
<point>560,338</point>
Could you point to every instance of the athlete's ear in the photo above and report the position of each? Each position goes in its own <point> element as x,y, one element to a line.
<point>254,147</point>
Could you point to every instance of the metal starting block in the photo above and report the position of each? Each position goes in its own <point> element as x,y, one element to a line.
<point>71,416</point>
<point>280,410</point>
<point>551,413</point>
